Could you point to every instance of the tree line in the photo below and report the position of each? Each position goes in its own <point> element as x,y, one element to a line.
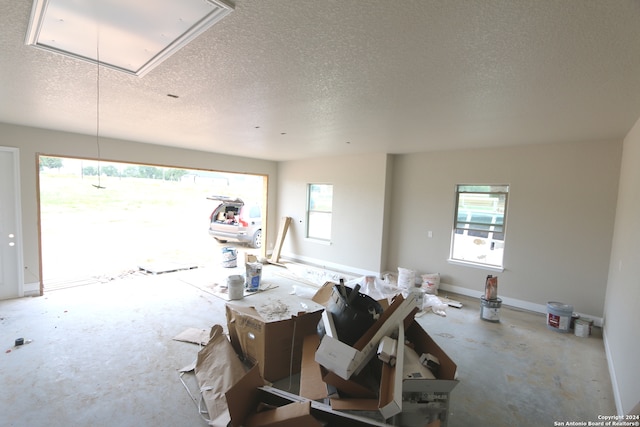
<point>151,172</point>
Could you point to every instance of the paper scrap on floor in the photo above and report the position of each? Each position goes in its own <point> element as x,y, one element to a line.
<point>219,290</point>
<point>193,335</point>
<point>274,309</point>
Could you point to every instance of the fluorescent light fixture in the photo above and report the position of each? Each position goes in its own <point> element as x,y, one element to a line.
<point>132,36</point>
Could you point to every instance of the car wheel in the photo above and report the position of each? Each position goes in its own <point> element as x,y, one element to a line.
<point>220,240</point>
<point>257,239</point>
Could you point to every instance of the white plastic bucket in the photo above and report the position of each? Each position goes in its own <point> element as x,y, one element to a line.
<point>235,286</point>
<point>406,278</point>
<point>559,316</point>
<point>229,257</point>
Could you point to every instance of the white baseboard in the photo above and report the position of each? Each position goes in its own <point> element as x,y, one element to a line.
<point>612,374</point>
<point>513,302</point>
<point>31,289</point>
<point>339,268</point>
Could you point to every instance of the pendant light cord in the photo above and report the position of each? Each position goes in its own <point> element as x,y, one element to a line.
<point>98,103</point>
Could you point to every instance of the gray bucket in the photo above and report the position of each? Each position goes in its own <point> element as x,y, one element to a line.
<point>490,309</point>
<point>559,316</point>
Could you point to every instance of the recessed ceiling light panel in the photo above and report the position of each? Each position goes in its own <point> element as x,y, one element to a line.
<point>126,35</point>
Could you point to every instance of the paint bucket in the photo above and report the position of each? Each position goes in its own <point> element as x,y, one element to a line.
<point>490,309</point>
<point>583,327</point>
<point>254,274</point>
<point>559,316</point>
<point>574,317</point>
<point>229,257</point>
<point>235,286</point>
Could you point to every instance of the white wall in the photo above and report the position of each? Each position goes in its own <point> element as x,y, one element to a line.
<point>359,187</point>
<point>622,306</point>
<point>31,141</point>
<point>560,219</point>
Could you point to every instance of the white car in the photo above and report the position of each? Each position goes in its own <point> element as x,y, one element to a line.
<point>234,220</point>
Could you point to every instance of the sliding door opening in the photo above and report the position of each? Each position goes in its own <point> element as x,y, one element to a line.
<point>104,220</point>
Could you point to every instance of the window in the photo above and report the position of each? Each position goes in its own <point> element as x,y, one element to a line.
<point>320,202</point>
<point>254,212</point>
<point>479,224</point>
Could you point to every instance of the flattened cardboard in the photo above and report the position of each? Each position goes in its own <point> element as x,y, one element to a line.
<point>323,295</point>
<point>353,404</point>
<point>311,385</point>
<point>243,397</point>
<point>270,343</point>
<point>349,387</point>
<point>194,336</point>
<point>217,369</point>
<point>295,414</point>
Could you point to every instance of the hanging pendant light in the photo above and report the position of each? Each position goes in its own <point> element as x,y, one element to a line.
<point>99,185</point>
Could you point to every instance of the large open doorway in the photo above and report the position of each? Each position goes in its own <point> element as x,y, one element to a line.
<point>103,220</point>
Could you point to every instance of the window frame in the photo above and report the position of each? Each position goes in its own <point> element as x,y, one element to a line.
<point>491,203</point>
<point>323,211</point>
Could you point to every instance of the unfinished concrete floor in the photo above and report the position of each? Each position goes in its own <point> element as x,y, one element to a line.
<point>103,355</point>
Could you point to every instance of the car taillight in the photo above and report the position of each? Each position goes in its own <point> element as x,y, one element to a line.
<point>243,222</point>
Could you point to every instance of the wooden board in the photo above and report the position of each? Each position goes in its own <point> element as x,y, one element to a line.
<point>165,267</point>
<point>285,221</point>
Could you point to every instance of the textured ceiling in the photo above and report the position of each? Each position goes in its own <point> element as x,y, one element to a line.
<point>298,79</point>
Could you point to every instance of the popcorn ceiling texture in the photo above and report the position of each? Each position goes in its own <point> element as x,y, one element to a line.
<point>393,77</point>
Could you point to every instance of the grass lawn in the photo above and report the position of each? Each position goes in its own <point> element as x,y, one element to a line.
<point>88,231</point>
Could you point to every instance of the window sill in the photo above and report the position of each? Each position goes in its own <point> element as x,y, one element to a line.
<point>476,265</point>
<point>319,241</point>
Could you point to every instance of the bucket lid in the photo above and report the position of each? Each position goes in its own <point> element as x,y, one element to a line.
<point>560,306</point>
<point>497,299</point>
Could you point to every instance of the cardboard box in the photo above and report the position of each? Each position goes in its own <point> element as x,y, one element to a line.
<point>426,401</point>
<point>249,394</point>
<point>244,402</point>
<point>345,360</point>
<point>423,343</point>
<point>389,400</point>
<point>275,345</point>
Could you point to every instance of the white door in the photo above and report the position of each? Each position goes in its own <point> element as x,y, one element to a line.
<point>11,275</point>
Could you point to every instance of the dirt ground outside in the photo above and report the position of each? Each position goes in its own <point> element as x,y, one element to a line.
<point>110,232</point>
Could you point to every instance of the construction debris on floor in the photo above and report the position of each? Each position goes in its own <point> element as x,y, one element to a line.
<point>354,348</point>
